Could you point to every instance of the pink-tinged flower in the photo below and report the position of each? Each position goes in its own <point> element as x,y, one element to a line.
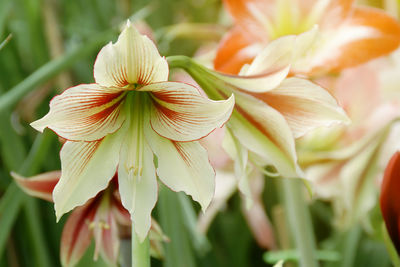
<point>227,184</point>
<point>345,163</point>
<point>272,109</point>
<point>100,218</point>
<point>390,199</point>
<point>349,35</point>
<point>125,121</point>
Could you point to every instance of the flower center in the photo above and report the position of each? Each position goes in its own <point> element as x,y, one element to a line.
<point>137,110</point>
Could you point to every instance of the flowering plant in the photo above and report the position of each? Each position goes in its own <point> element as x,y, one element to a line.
<point>276,117</point>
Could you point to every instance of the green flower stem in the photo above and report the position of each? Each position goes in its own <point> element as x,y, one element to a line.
<point>50,69</point>
<point>351,242</point>
<point>140,251</point>
<point>299,220</point>
<point>182,62</point>
<point>197,72</point>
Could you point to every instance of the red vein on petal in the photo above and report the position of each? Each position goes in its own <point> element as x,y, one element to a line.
<point>78,223</point>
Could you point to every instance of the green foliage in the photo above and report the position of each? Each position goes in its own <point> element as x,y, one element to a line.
<point>53,46</point>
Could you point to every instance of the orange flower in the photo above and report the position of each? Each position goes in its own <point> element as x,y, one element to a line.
<point>348,35</point>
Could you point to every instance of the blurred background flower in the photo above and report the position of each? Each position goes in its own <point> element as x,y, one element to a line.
<point>54,45</point>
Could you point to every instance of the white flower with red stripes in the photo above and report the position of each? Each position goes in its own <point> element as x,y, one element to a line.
<point>129,118</point>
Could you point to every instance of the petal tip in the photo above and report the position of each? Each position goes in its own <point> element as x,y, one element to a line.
<point>38,125</point>
<point>18,179</point>
<point>60,211</point>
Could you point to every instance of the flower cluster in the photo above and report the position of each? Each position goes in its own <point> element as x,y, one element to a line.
<point>279,88</point>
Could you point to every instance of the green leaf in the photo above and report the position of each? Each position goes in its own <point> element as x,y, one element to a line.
<point>178,252</point>
<point>51,69</point>
<point>272,257</point>
<point>199,240</point>
<point>14,198</point>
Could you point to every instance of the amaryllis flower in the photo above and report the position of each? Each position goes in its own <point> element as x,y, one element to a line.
<point>389,199</point>
<point>349,35</point>
<point>271,109</point>
<point>100,219</point>
<point>130,118</point>
<point>345,163</point>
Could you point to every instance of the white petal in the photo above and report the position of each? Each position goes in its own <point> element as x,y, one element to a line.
<point>181,113</point>
<point>305,105</point>
<point>86,169</point>
<point>184,166</point>
<point>133,59</point>
<point>138,191</point>
<point>264,131</point>
<point>239,154</point>
<point>277,55</point>
<point>85,112</point>
<point>267,70</point>
<point>137,176</point>
<point>255,83</point>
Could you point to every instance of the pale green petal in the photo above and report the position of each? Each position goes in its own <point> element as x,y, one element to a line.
<point>86,169</point>
<point>264,131</point>
<point>138,187</point>
<point>133,59</point>
<point>136,171</point>
<point>181,113</point>
<point>240,156</point>
<point>184,166</point>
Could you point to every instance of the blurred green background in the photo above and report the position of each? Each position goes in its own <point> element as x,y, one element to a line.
<point>53,46</point>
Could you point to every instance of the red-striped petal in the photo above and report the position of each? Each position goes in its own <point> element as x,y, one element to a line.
<point>40,186</point>
<point>87,168</point>
<point>76,235</point>
<point>85,112</point>
<point>304,105</point>
<point>183,166</point>
<point>105,231</point>
<point>181,113</point>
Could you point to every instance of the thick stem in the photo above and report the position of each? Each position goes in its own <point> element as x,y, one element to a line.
<point>140,251</point>
<point>299,220</point>
<point>182,62</point>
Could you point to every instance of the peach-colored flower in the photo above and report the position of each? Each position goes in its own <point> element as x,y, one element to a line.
<point>227,184</point>
<point>345,163</point>
<point>349,35</point>
<point>272,109</point>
